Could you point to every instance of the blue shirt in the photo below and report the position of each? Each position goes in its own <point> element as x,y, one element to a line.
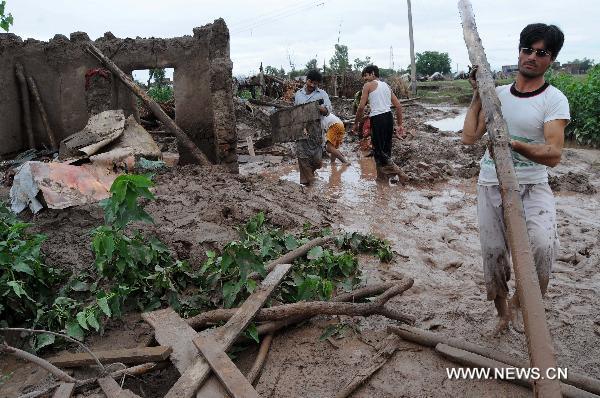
<point>302,97</point>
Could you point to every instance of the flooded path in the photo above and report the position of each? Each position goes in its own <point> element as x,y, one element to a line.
<point>433,230</point>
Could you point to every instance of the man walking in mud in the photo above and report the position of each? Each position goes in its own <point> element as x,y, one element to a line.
<point>310,149</point>
<point>536,115</point>
<point>380,97</point>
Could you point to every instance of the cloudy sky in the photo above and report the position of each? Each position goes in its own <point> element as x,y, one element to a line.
<point>277,32</point>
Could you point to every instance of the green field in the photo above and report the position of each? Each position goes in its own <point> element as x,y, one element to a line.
<point>454,92</point>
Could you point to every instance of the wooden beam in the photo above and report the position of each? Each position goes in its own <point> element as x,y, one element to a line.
<point>25,104</point>
<point>234,381</point>
<point>385,350</point>
<point>38,100</point>
<point>170,329</point>
<point>183,138</point>
<point>539,342</point>
<point>187,385</point>
<point>127,356</point>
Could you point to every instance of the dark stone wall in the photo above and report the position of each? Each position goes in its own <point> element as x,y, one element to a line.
<point>202,81</point>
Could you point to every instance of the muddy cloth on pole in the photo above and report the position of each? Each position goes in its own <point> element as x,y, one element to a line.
<point>310,154</point>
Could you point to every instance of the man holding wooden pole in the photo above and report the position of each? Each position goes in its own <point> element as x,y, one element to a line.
<point>536,115</point>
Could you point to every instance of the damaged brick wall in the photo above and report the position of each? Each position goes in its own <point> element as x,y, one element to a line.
<point>202,82</point>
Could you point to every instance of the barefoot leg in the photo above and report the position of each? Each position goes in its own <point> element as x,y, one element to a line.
<point>504,314</point>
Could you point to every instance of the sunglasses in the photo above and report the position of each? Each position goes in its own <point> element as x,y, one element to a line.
<point>538,52</point>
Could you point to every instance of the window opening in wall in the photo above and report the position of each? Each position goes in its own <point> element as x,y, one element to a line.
<point>158,83</point>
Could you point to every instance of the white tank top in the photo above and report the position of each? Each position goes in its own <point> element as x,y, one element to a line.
<point>380,99</point>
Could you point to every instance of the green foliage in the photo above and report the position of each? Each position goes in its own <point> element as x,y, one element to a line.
<point>359,64</point>
<point>584,102</point>
<point>429,62</point>
<point>133,271</point>
<point>312,64</point>
<point>158,88</point>
<point>161,94</point>
<point>6,20</point>
<point>340,62</point>
<point>245,94</point>
<point>270,70</point>
<point>27,285</point>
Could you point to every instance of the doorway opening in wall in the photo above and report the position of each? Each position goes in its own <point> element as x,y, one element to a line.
<point>158,83</point>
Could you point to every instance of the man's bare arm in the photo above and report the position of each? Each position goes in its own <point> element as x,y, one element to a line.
<point>549,153</point>
<point>361,106</point>
<point>398,107</point>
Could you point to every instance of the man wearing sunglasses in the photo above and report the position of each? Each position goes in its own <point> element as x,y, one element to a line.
<point>536,115</point>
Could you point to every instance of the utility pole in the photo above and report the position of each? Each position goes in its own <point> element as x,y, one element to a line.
<point>413,65</point>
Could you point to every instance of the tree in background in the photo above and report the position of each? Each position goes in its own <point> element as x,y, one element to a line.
<point>273,71</point>
<point>359,64</point>
<point>584,64</point>
<point>429,62</point>
<point>312,64</point>
<point>158,88</point>
<point>340,62</point>
<point>5,19</point>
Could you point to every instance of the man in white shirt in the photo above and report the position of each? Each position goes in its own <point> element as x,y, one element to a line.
<point>536,115</point>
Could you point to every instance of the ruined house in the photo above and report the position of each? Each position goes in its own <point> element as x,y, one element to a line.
<point>202,86</point>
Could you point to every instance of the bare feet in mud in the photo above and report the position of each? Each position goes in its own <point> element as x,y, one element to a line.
<point>504,312</point>
<point>517,316</point>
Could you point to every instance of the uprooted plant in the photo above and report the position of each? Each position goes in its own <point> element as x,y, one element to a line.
<point>138,272</point>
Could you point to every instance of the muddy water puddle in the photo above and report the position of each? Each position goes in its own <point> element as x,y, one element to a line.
<point>453,123</point>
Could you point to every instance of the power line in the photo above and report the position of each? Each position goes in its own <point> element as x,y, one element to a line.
<point>271,18</point>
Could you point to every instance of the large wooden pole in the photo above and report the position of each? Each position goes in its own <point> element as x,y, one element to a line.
<point>25,104</point>
<point>36,96</point>
<point>413,65</point>
<point>196,153</point>
<point>539,343</point>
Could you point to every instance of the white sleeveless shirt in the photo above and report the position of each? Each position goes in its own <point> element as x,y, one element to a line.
<point>380,99</point>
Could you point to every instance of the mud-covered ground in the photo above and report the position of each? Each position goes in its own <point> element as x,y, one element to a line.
<point>432,224</point>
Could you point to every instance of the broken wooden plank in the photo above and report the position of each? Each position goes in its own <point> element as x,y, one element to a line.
<point>170,329</point>
<point>471,360</point>
<point>113,390</point>
<point>234,381</point>
<point>183,138</point>
<point>295,123</point>
<point>64,390</point>
<point>385,350</point>
<point>250,146</point>
<point>127,356</point>
<point>187,385</point>
<point>539,341</point>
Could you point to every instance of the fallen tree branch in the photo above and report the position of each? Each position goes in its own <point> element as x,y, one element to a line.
<point>36,96</point>
<point>385,350</point>
<point>430,339</point>
<point>64,336</point>
<point>131,371</point>
<point>261,357</point>
<point>309,309</point>
<point>25,104</point>
<point>5,348</point>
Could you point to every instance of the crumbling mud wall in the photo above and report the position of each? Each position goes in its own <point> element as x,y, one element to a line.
<point>202,81</point>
